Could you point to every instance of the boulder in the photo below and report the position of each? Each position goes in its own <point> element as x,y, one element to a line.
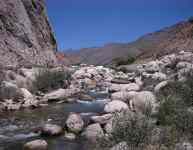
<point>60,94</point>
<point>120,146</point>
<point>115,106</point>
<point>70,136</point>
<point>36,145</point>
<point>152,66</point>
<point>74,123</point>
<point>29,99</point>
<point>122,95</point>
<point>160,86</point>
<point>144,99</point>
<point>102,119</point>
<point>124,87</point>
<point>184,146</point>
<point>51,130</point>
<point>9,90</point>
<point>93,131</point>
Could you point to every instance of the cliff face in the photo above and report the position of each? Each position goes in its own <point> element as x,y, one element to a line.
<point>26,37</point>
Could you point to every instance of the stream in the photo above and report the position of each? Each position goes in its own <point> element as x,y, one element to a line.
<point>16,127</point>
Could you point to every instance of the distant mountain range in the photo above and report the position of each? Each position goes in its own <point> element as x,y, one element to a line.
<point>167,40</point>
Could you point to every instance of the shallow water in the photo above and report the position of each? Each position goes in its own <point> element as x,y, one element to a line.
<point>17,127</point>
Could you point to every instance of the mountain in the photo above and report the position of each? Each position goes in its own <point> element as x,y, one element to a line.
<point>167,40</point>
<point>26,37</point>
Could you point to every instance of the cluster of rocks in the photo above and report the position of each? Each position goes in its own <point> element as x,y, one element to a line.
<point>132,91</point>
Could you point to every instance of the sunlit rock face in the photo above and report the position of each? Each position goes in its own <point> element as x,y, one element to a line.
<point>26,37</point>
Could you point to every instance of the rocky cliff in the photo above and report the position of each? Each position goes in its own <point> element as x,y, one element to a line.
<point>26,37</point>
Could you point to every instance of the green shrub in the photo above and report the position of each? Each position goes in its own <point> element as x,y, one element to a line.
<point>47,80</point>
<point>175,107</point>
<point>135,129</point>
<point>123,61</point>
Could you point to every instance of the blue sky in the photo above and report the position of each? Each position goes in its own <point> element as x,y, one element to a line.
<point>90,23</point>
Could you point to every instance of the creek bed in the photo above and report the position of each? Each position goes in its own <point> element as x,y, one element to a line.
<point>17,127</point>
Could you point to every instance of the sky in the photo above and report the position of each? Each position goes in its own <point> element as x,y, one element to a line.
<point>93,23</point>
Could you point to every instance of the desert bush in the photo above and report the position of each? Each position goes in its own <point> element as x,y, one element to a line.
<point>133,128</point>
<point>175,107</point>
<point>47,80</point>
<point>123,61</point>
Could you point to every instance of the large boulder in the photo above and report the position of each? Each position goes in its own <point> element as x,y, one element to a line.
<point>124,87</point>
<point>9,90</point>
<point>51,130</point>
<point>115,106</point>
<point>74,123</point>
<point>102,119</point>
<point>184,146</point>
<point>144,99</point>
<point>152,66</point>
<point>160,86</point>
<point>60,94</point>
<point>123,95</point>
<point>29,99</point>
<point>93,131</point>
<point>36,145</point>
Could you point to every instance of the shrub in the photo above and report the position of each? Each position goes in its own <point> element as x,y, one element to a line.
<point>135,129</point>
<point>47,80</point>
<point>123,61</point>
<point>175,107</point>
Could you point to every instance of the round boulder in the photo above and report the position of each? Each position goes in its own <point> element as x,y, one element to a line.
<point>51,130</point>
<point>36,145</point>
<point>115,106</point>
<point>74,123</point>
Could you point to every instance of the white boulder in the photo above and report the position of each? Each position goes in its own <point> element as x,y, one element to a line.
<point>74,123</point>
<point>115,106</point>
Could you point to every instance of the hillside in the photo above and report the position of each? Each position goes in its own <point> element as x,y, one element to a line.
<point>167,40</point>
<point>26,36</point>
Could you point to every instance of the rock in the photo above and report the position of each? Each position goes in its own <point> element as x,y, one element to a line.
<point>120,81</point>
<point>26,40</point>
<point>184,146</point>
<point>144,99</point>
<point>123,95</point>
<point>29,99</point>
<point>70,136</point>
<point>160,86</point>
<point>93,131</point>
<point>74,123</point>
<point>115,106</point>
<point>124,87</point>
<point>102,119</point>
<point>51,130</point>
<point>60,94</point>
<point>152,66</point>
<point>9,90</point>
<point>155,76</point>
<point>120,146</point>
<point>138,81</point>
<point>36,145</point>
<point>9,104</point>
<point>181,65</point>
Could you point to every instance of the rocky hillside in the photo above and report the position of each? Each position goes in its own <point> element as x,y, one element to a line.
<point>25,34</point>
<point>168,40</point>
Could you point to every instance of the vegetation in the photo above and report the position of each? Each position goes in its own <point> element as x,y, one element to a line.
<point>172,123</point>
<point>123,61</point>
<point>47,80</point>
